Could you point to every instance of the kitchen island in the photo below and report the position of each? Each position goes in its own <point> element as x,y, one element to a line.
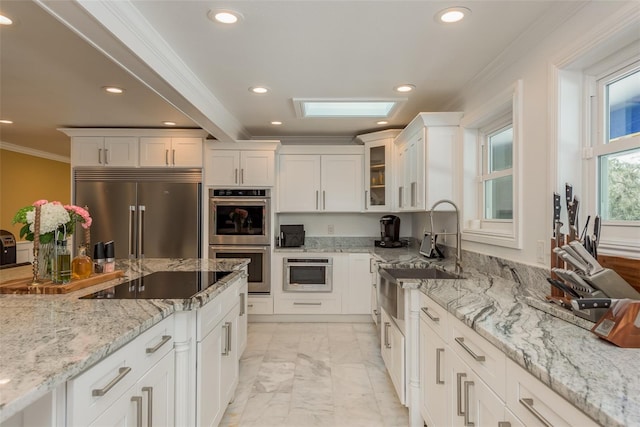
<point>47,339</point>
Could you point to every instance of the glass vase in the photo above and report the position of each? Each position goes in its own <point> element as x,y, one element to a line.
<point>45,259</point>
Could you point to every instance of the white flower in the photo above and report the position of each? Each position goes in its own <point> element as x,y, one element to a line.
<point>52,215</point>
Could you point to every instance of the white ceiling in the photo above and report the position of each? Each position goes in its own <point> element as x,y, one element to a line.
<point>50,77</point>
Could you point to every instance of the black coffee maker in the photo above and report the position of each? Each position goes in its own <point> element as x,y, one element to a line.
<point>389,232</point>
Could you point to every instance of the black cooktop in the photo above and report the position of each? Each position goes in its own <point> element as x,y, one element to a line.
<point>162,285</point>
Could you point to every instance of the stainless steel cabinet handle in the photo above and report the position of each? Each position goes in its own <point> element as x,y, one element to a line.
<point>242,304</point>
<point>149,390</point>
<point>387,325</point>
<point>166,157</point>
<point>317,199</point>
<point>225,339</point>
<point>324,200</point>
<point>235,179</point>
<point>106,156</point>
<point>414,185</point>
<point>165,339</point>
<point>425,310</point>
<point>242,176</point>
<point>132,235</point>
<point>477,358</point>
<point>467,423</point>
<point>250,305</point>
<point>99,155</point>
<point>459,377</point>
<point>141,212</point>
<point>504,424</point>
<point>366,198</point>
<point>122,372</point>
<point>528,403</point>
<point>307,303</point>
<point>229,337</point>
<point>173,155</point>
<point>138,401</point>
<point>399,197</point>
<point>439,351</point>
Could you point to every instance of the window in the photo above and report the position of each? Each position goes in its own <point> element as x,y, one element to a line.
<point>491,163</point>
<point>617,152</point>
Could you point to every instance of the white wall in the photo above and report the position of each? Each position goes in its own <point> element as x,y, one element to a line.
<point>539,98</point>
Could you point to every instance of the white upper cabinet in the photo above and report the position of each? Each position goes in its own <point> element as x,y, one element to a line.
<point>424,161</point>
<point>170,152</point>
<point>234,165</point>
<point>378,176</point>
<point>320,182</point>
<point>104,151</point>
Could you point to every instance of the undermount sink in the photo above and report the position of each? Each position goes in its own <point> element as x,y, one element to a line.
<point>419,273</point>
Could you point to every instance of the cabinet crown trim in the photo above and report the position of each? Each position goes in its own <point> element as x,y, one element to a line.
<point>138,132</point>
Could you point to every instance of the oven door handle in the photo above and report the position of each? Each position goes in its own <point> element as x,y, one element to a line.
<point>240,202</point>
<point>242,248</point>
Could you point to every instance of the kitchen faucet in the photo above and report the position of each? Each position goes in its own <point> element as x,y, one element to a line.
<point>458,268</point>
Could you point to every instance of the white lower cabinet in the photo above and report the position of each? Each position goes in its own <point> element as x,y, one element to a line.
<point>434,356</point>
<point>356,298</point>
<point>260,304</point>
<point>393,353</point>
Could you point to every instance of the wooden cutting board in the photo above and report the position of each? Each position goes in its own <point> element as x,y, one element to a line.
<point>24,286</point>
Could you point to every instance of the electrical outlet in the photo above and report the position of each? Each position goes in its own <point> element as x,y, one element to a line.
<point>540,251</point>
<point>331,229</point>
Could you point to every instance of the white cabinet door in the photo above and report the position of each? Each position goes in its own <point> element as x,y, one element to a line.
<point>169,152</point>
<point>186,152</point>
<point>377,176</point>
<point>392,343</point>
<point>242,319</point>
<point>87,151</point>
<point>257,168</point>
<point>222,167</point>
<point>104,151</point>
<point>434,398</point>
<point>230,355</point>
<point>155,151</point>
<point>156,388</point>
<point>341,178</point>
<point>299,183</point>
<point>358,286</point>
<point>209,409</point>
<point>121,151</point>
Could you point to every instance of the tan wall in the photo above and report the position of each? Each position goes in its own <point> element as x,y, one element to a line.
<point>25,179</point>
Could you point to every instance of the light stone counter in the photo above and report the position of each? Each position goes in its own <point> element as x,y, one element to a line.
<point>597,377</point>
<point>47,339</point>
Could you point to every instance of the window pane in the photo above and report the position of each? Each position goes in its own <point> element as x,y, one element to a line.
<point>623,106</point>
<point>501,150</point>
<point>498,198</point>
<point>619,186</point>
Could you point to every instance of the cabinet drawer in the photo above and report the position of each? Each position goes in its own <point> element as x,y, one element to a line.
<point>212,313</point>
<point>481,356</point>
<point>308,305</point>
<point>536,404</point>
<point>93,391</point>
<point>260,305</point>
<point>434,315</point>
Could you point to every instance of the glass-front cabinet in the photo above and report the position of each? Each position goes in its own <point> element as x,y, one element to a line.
<point>377,160</point>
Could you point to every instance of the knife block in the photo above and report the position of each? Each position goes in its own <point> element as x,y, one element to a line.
<point>620,325</point>
<point>556,262</point>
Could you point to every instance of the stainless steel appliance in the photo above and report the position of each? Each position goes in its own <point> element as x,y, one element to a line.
<point>148,213</point>
<point>162,285</point>
<point>239,217</point>
<point>259,268</point>
<point>308,274</point>
<point>240,227</point>
<point>7,248</point>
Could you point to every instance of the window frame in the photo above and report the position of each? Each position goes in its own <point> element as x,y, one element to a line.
<point>484,136</point>
<point>505,108</point>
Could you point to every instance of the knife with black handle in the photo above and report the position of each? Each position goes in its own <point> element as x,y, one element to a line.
<point>596,237</point>
<point>556,211</point>
<point>563,287</point>
<point>589,303</point>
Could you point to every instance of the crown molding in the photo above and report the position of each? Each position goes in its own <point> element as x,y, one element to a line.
<point>33,152</point>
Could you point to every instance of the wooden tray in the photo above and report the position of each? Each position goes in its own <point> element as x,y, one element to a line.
<point>24,286</point>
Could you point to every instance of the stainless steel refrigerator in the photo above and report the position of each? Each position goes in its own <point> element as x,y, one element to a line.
<point>148,213</point>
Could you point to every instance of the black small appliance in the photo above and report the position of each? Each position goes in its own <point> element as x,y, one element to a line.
<point>291,235</point>
<point>7,247</point>
<point>389,232</point>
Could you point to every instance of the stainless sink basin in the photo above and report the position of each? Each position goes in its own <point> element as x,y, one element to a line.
<point>418,273</point>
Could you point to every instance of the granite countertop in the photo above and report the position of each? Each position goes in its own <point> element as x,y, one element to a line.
<point>47,339</point>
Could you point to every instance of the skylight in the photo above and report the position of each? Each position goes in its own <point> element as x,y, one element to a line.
<point>346,108</point>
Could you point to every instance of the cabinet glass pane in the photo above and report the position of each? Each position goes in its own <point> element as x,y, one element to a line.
<point>377,173</point>
<point>498,198</point>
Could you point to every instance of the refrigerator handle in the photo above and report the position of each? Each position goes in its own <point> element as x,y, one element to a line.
<point>141,231</point>
<point>132,215</point>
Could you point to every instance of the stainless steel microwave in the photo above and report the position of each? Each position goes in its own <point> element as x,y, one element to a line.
<point>308,274</point>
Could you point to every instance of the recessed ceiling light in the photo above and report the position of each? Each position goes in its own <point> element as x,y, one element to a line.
<point>452,14</point>
<point>382,122</point>
<point>5,20</point>
<point>276,123</point>
<point>224,16</point>
<point>258,89</point>
<point>6,122</point>
<point>404,88</point>
<point>113,89</point>
<point>169,123</point>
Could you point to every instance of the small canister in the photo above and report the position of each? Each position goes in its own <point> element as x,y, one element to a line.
<point>98,258</point>
<point>110,263</point>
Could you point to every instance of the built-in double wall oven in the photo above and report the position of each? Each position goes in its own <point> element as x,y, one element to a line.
<point>240,227</point>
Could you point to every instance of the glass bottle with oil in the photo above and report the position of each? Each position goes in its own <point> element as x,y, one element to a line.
<point>81,266</point>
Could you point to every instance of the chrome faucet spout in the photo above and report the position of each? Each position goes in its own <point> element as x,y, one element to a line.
<point>458,237</point>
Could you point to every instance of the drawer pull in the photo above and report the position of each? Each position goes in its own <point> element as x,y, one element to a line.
<point>504,424</point>
<point>138,401</point>
<point>227,338</point>
<point>387,325</point>
<point>476,357</point>
<point>439,351</point>
<point>122,372</point>
<point>165,339</point>
<point>467,423</point>
<point>528,403</point>
<point>242,304</point>
<point>250,305</point>
<point>459,377</point>
<point>307,303</point>
<point>149,405</point>
<point>425,310</point>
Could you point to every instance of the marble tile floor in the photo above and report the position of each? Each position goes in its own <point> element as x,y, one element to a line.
<point>314,375</point>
